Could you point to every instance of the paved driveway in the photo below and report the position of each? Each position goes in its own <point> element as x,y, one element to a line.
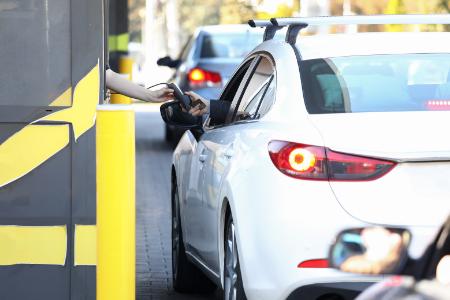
<point>153,245</point>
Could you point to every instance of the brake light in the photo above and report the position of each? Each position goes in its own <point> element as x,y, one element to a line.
<point>319,163</point>
<point>199,77</point>
<point>438,105</point>
<point>298,160</point>
<point>314,263</point>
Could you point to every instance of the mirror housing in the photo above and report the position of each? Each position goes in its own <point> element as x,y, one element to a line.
<point>172,114</point>
<point>370,250</point>
<point>167,61</point>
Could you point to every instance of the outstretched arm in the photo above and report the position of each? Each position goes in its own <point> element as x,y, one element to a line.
<point>128,88</point>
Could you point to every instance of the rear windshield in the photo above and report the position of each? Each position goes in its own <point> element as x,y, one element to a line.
<point>229,45</point>
<point>376,83</point>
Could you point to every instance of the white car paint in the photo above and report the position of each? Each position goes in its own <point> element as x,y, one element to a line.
<point>281,221</point>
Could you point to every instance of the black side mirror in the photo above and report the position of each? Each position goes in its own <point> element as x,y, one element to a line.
<point>167,61</point>
<point>173,114</point>
<point>370,250</point>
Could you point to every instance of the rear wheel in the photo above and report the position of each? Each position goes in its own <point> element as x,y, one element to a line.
<point>233,286</point>
<point>186,277</point>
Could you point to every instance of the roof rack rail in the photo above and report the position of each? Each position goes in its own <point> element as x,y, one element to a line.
<point>297,24</point>
<point>365,20</point>
<point>270,31</point>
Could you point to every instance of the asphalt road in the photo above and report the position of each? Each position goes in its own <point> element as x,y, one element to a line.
<point>153,233</point>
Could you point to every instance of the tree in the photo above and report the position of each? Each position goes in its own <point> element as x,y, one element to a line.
<point>283,10</point>
<point>236,12</point>
<point>396,7</point>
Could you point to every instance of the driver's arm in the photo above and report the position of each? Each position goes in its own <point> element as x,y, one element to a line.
<point>217,109</point>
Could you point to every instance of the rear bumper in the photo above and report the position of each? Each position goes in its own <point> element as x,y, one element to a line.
<point>341,291</point>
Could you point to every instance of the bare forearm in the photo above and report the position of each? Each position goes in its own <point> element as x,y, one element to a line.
<point>126,87</point>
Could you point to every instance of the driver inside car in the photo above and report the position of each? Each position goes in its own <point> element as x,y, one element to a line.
<point>217,109</point>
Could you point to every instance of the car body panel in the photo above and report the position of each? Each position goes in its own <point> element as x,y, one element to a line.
<point>281,221</point>
<point>404,136</point>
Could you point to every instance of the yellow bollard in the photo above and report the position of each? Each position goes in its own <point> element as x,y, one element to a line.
<point>126,70</point>
<point>126,66</point>
<point>116,212</point>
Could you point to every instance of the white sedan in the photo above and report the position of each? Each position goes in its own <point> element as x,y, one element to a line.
<point>326,133</point>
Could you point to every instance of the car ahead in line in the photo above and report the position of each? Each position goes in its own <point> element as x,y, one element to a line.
<point>330,132</point>
<point>208,60</point>
<point>384,251</point>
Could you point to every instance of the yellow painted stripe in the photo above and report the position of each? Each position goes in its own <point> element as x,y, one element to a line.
<point>85,245</point>
<point>65,99</point>
<point>46,245</point>
<point>29,148</point>
<point>85,101</point>
<point>118,42</point>
<point>34,144</point>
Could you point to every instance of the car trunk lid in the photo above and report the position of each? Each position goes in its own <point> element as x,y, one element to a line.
<point>417,190</point>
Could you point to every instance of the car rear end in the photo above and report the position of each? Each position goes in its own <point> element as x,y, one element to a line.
<point>383,115</point>
<point>383,157</point>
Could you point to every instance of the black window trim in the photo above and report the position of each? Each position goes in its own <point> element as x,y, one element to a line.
<point>241,90</point>
<point>259,54</point>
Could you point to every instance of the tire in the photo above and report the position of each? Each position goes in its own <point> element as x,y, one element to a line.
<point>233,286</point>
<point>186,277</point>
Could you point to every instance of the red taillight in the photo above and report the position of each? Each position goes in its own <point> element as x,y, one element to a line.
<point>319,163</point>
<point>298,160</point>
<point>438,105</point>
<point>199,77</point>
<point>314,263</point>
<point>351,167</point>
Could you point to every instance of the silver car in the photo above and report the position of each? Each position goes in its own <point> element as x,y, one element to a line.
<point>208,60</point>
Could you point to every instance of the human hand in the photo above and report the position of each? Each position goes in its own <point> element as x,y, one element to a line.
<point>197,110</point>
<point>161,95</point>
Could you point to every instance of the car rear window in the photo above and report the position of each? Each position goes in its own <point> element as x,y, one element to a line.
<point>376,83</point>
<point>229,45</point>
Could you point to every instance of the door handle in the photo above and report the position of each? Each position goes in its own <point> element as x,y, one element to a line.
<point>202,157</point>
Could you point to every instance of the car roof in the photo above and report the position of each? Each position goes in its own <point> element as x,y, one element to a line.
<point>333,45</point>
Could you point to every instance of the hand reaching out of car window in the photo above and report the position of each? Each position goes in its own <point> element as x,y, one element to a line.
<point>198,110</point>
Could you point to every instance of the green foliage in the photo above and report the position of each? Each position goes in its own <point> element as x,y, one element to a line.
<point>194,13</point>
